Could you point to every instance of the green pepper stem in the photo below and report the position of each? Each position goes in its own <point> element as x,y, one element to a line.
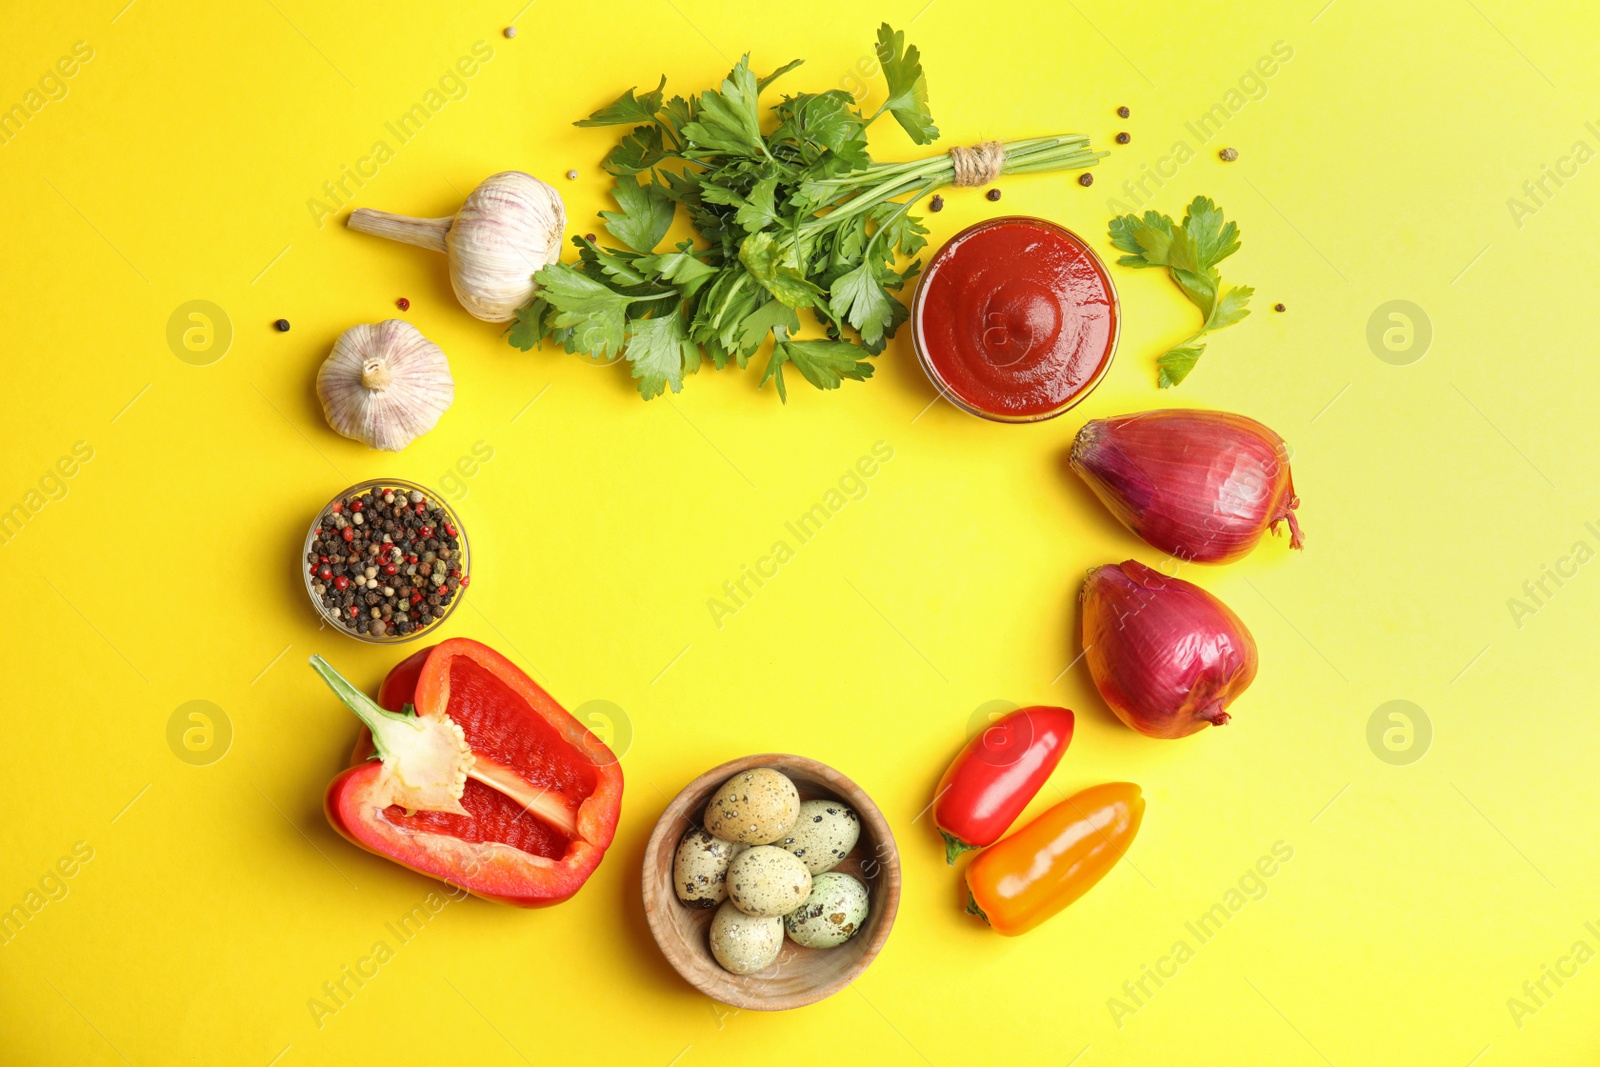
<point>366,709</point>
<point>954,846</point>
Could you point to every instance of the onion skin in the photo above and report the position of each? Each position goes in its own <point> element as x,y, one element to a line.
<point>1165,654</point>
<point>1202,486</point>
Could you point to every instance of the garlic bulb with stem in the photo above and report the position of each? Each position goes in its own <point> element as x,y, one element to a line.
<point>385,384</point>
<point>509,229</point>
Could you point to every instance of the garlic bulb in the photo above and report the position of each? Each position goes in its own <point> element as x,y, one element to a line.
<point>385,384</point>
<point>509,228</point>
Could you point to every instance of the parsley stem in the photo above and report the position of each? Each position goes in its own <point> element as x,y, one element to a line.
<point>905,206</point>
<point>879,184</point>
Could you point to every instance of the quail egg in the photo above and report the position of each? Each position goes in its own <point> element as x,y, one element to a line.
<point>754,807</point>
<point>700,869</point>
<point>766,880</point>
<point>832,913</point>
<point>745,944</point>
<point>823,835</point>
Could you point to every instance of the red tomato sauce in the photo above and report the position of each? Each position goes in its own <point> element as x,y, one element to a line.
<point>1016,319</point>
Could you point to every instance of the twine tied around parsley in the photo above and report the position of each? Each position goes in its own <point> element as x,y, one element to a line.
<point>978,165</point>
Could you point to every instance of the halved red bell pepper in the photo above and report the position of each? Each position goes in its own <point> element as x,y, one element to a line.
<point>480,778</point>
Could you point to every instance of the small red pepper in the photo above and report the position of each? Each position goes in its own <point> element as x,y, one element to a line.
<point>996,775</point>
<point>489,785</point>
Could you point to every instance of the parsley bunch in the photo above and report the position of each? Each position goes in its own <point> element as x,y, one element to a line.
<point>1191,253</point>
<point>795,218</point>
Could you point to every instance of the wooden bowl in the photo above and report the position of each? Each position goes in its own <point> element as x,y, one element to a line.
<point>800,975</point>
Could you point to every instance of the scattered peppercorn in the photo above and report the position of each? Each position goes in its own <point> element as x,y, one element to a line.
<point>1123,112</point>
<point>937,203</point>
<point>282,325</point>
<point>572,175</point>
<point>376,560</point>
<point>510,31</point>
<point>403,304</point>
<point>1124,138</point>
<point>992,194</point>
<point>1086,180</point>
<point>589,237</point>
<point>1279,307</point>
<point>1228,155</point>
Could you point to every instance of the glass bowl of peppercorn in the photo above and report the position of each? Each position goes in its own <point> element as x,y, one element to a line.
<point>386,560</point>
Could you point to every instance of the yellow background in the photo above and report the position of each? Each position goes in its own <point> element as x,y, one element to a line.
<point>1376,166</point>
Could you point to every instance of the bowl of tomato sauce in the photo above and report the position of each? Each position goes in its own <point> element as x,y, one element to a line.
<point>1016,319</point>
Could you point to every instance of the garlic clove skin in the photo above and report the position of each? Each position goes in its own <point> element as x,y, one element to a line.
<point>384,384</point>
<point>509,229</point>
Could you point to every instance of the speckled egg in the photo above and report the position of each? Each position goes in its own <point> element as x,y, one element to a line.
<point>832,913</point>
<point>754,807</point>
<point>745,944</point>
<point>700,869</point>
<point>766,880</point>
<point>823,835</point>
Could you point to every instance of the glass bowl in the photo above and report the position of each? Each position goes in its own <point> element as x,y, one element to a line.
<point>433,500</point>
<point>926,361</point>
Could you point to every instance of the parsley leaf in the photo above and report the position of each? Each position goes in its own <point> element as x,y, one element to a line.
<point>728,120</point>
<point>776,267</point>
<point>645,217</point>
<point>681,267</point>
<point>1176,363</point>
<point>858,297</point>
<point>529,326</point>
<point>637,152</point>
<point>1190,252</point>
<point>759,210</point>
<point>762,83</point>
<point>770,317</point>
<point>628,109</point>
<point>596,313</point>
<point>658,349</point>
<point>908,88</point>
<point>822,363</point>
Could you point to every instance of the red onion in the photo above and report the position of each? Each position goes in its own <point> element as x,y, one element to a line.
<point>1200,485</point>
<point>1165,654</point>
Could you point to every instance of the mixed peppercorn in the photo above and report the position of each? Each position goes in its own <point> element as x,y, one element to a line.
<point>386,562</point>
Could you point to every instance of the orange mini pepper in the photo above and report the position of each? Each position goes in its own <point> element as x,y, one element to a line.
<point>1055,859</point>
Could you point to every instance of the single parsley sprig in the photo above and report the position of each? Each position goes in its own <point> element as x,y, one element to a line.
<point>798,218</point>
<point>1191,253</point>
